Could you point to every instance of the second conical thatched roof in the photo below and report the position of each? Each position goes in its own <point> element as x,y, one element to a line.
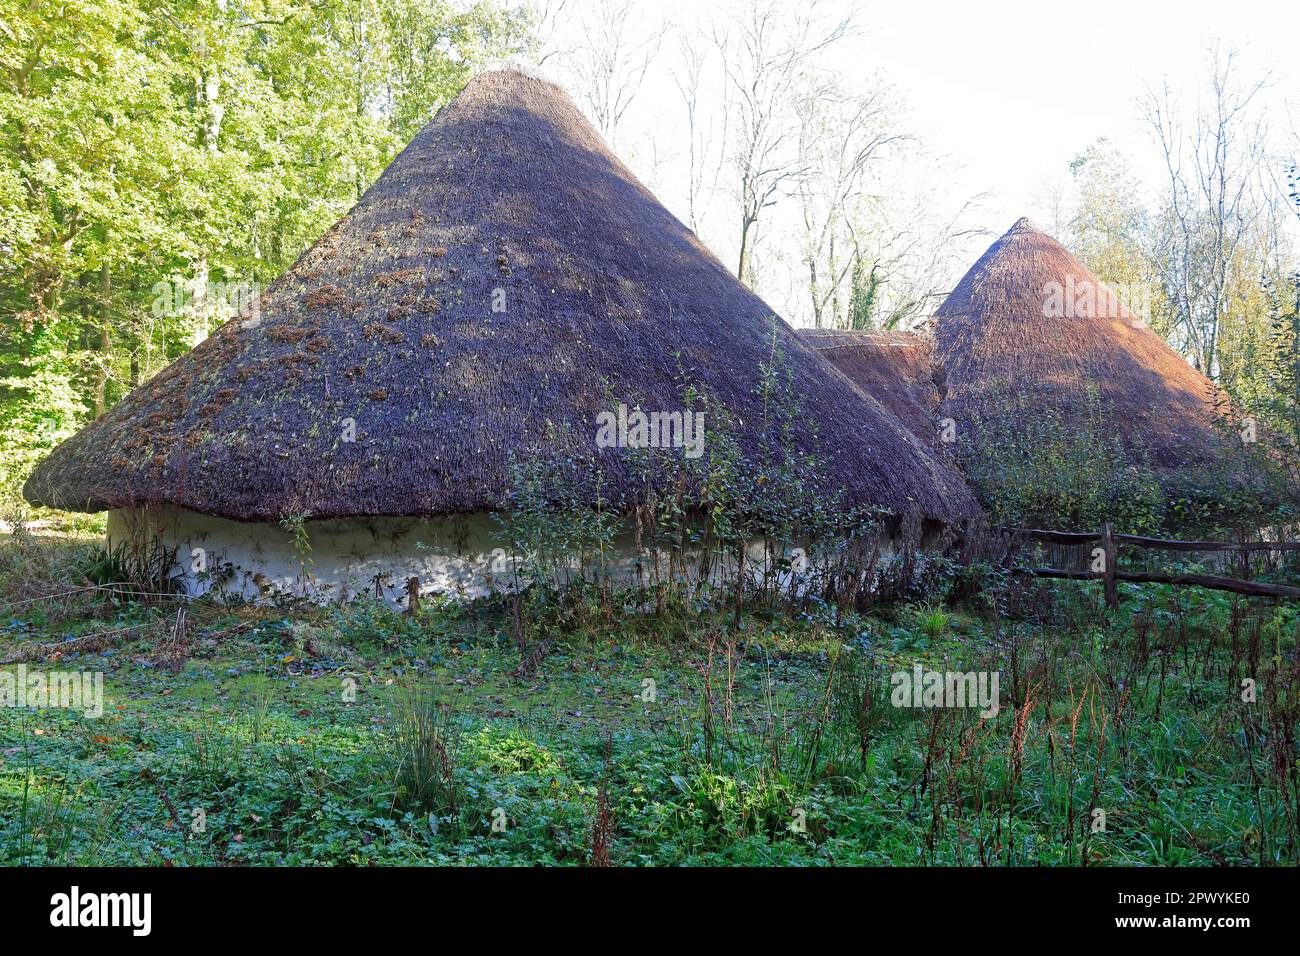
<point>1030,327</point>
<point>507,198</point>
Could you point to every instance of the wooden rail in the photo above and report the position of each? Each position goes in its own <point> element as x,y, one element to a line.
<point>1137,540</point>
<point>1166,544</point>
<point>1055,537</point>
<point>1109,561</point>
<point>1252,588</point>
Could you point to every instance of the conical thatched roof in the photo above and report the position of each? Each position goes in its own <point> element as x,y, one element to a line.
<point>892,367</point>
<point>388,321</point>
<point>1019,332</point>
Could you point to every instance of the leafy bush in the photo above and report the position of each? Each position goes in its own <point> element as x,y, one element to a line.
<point>1033,469</point>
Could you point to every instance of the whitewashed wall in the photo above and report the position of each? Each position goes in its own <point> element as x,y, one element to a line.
<point>465,556</point>
<point>448,555</point>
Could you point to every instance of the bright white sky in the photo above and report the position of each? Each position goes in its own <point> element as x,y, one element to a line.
<point>1007,92</point>
<point>1017,88</point>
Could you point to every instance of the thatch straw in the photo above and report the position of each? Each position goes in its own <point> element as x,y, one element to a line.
<point>892,367</point>
<point>388,321</point>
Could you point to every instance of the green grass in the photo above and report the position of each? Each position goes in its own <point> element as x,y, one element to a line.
<point>781,749</point>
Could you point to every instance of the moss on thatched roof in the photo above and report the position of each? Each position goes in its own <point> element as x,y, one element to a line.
<point>507,196</point>
<point>892,367</point>
<point>1030,327</point>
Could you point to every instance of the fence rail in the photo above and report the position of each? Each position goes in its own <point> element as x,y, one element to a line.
<point>1110,573</point>
<point>1251,588</point>
<point>1137,540</point>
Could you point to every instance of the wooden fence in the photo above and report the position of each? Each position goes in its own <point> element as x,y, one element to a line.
<point>1110,573</point>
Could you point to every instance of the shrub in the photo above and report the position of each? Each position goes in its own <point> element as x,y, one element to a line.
<point>1033,469</point>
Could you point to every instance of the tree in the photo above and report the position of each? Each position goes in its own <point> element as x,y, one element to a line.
<point>765,48</point>
<point>706,130</point>
<point>864,291</point>
<point>610,64</point>
<point>1280,402</point>
<point>543,19</point>
<point>910,248</point>
<point>840,134</point>
<point>1212,160</point>
<point>1109,229</point>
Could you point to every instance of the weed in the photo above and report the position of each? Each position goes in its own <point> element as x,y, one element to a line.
<point>424,752</point>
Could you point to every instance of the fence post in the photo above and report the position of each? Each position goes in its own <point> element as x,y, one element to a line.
<point>1110,557</point>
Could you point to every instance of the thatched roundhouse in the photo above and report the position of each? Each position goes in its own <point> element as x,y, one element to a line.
<point>1030,327</point>
<point>502,281</point>
<point>1029,332</point>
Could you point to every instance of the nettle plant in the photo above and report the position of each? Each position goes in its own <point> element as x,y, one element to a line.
<point>812,540</point>
<point>559,522</point>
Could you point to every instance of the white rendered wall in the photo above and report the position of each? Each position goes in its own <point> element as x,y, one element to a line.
<point>461,555</point>
<point>345,556</point>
